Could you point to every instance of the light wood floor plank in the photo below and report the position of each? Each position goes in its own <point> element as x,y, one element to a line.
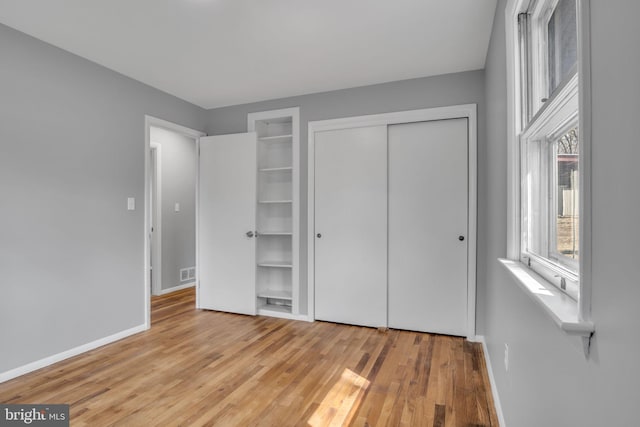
<point>201,368</point>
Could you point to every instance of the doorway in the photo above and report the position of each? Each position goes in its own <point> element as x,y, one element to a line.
<point>171,153</point>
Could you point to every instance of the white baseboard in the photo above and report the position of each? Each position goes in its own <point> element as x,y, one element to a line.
<point>38,364</point>
<point>492,380</point>
<point>177,288</point>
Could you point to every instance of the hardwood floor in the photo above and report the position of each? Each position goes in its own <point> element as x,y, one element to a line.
<point>197,367</point>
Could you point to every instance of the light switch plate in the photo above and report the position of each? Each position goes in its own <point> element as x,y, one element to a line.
<point>176,208</point>
<point>131,204</point>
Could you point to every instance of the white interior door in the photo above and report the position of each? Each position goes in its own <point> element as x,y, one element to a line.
<point>351,226</point>
<point>226,223</point>
<point>428,217</point>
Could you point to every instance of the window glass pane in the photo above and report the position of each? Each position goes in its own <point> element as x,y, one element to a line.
<point>567,202</point>
<point>562,42</point>
<point>536,212</point>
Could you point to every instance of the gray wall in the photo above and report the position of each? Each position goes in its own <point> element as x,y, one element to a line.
<point>71,152</point>
<point>437,91</point>
<point>550,382</point>
<point>179,162</point>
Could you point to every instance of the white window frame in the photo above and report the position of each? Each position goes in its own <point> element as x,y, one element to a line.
<point>572,316</point>
<point>549,124</point>
<point>548,114</point>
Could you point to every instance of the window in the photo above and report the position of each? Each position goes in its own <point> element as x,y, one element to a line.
<point>549,152</point>
<point>549,139</point>
<point>562,43</point>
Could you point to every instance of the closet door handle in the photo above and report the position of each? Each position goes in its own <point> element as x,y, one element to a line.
<point>249,233</point>
<point>318,235</point>
<point>461,238</point>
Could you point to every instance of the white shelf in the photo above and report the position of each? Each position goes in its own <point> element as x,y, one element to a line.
<point>283,311</point>
<point>275,138</point>
<point>275,201</point>
<point>275,294</point>
<point>281,169</point>
<point>275,233</point>
<point>276,264</point>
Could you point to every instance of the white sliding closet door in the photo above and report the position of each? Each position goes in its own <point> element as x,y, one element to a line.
<point>428,217</point>
<point>226,223</point>
<point>351,226</point>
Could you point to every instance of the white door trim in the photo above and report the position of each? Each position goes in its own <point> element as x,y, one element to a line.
<point>468,111</point>
<point>150,121</point>
<point>156,284</point>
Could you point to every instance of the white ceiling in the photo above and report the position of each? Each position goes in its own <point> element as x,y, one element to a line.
<point>215,53</point>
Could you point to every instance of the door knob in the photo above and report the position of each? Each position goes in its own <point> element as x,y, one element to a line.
<point>249,233</point>
<point>461,238</point>
<point>319,235</point>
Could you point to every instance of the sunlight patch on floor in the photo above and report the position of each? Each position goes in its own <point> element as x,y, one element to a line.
<point>341,402</point>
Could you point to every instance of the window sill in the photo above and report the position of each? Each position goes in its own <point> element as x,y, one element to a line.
<point>562,309</point>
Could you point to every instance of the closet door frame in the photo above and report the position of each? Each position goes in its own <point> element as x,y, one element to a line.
<point>468,111</point>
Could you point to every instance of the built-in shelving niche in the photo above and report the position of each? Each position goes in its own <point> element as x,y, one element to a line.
<point>277,291</point>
